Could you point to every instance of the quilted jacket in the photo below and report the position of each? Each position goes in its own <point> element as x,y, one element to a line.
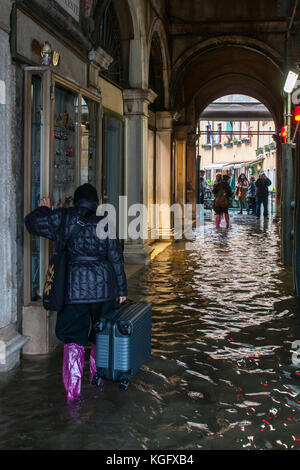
<point>95,271</point>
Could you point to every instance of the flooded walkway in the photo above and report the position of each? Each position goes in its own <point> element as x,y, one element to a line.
<point>221,372</point>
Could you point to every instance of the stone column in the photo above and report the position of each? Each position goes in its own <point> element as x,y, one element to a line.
<point>286,205</point>
<point>191,171</point>
<point>279,181</point>
<point>151,182</point>
<point>181,132</point>
<point>11,342</point>
<point>136,102</point>
<point>164,127</point>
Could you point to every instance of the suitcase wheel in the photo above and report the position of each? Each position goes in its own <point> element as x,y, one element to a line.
<point>96,380</point>
<point>124,384</point>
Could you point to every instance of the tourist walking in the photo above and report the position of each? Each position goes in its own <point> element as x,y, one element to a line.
<point>251,197</point>
<point>95,277</point>
<point>202,189</point>
<point>223,193</point>
<point>218,179</point>
<point>262,194</point>
<point>241,191</point>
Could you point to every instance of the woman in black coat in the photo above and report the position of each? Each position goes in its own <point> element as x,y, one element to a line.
<point>223,193</point>
<point>95,277</point>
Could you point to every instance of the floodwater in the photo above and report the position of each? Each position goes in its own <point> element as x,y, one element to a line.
<point>222,374</point>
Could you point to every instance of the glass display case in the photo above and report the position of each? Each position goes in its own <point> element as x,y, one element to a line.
<point>62,130</point>
<point>65,149</point>
<point>36,179</point>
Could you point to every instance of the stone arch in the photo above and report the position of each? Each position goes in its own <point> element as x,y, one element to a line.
<point>227,66</point>
<point>233,84</point>
<point>138,47</point>
<point>157,30</point>
<point>113,30</point>
<point>241,41</point>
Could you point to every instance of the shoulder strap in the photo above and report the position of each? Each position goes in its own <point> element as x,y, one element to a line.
<point>80,223</point>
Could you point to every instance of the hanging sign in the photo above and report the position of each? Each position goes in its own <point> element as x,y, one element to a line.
<point>71,7</point>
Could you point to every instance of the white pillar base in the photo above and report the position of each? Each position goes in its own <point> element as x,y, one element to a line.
<point>11,343</point>
<point>137,253</point>
<point>39,326</point>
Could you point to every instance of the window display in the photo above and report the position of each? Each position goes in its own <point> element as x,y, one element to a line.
<point>65,146</point>
<point>89,142</point>
<point>36,180</point>
<point>62,152</point>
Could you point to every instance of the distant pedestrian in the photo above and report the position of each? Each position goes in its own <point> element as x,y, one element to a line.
<point>251,197</point>
<point>201,195</point>
<point>218,179</point>
<point>204,183</point>
<point>241,191</point>
<point>223,193</point>
<point>262,194</point>
<point>201,190</point>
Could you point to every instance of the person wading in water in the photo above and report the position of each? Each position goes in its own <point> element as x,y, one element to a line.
<point>95,278</point>
<point>223,193</point>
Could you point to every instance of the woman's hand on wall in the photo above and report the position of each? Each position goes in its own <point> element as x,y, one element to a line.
<point>45,201</point>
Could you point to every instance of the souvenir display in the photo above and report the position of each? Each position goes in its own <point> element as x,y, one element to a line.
<point>74,156</point>
<point>36,158</point>
<point>65,139</point>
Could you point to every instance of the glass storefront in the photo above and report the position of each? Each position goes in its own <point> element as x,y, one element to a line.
<point>36,179</point>
<point>65,158</point>
<point>62,152</point>
<point>89,163</point>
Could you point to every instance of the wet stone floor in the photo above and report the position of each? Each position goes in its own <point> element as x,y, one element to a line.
<point>221,376</point>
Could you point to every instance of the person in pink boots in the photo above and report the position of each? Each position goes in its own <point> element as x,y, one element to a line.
<point>95,278</point>
<point>223,193</point>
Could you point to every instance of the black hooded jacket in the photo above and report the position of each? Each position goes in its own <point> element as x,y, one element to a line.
<point>95,271</point>
<point>262,186</point>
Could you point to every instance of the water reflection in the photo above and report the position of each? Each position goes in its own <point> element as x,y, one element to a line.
<point>221,372</point>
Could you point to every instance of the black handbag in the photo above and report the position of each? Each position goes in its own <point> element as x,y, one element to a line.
<point>54,287</point>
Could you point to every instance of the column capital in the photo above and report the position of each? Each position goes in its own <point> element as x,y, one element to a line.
<point>101,58</point>
<point>182,130</point>
<point>165,119</point>
<point>192,139</point>
<point>136,100</point>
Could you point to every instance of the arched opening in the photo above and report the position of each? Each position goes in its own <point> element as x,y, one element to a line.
<point>156,67</point>
<point>113,30</point>
<point>226,68</point>
<point>211,70</point>
<point>159,132</point>
<point>236,136</point>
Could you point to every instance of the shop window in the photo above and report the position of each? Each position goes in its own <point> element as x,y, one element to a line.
<point>65,158</point>
<point>61,152</point>
<point>36,180</point>
<point>219,133</point>
<point>239,130</point>
<point>89,142</point>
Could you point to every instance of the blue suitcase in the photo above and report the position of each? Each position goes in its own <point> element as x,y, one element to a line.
<point>123,342</point>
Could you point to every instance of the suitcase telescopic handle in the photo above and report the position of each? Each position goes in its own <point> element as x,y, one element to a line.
<point>127,302</point>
